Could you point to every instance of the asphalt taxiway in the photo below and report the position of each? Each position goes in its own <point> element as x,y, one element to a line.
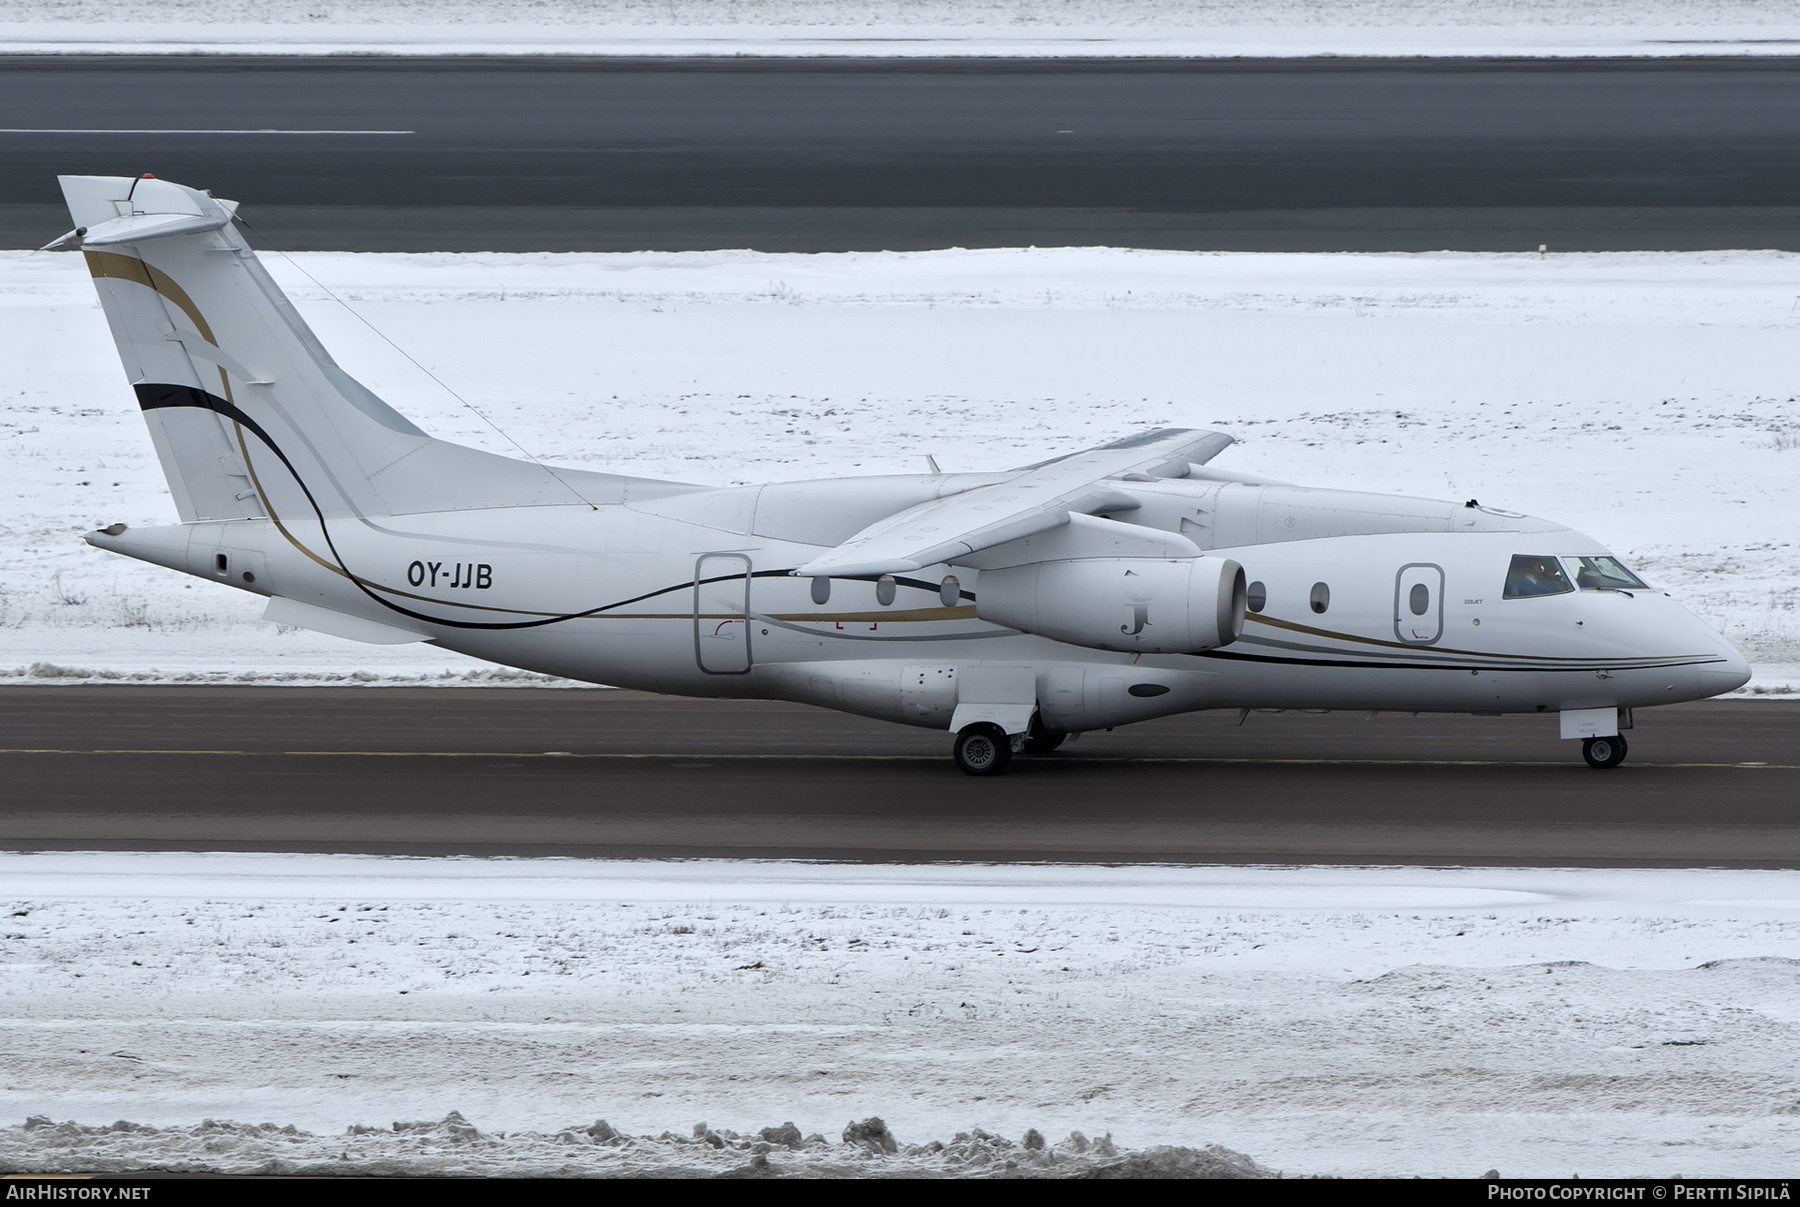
<point>614,773</point>
<point>364,153</point>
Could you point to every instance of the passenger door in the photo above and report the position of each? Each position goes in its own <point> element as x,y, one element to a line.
<point>1419,603</point>
<point>721,613</point>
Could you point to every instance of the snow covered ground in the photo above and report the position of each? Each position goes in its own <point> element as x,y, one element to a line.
<point>1351,1021</point>
<point>1645,398</point>
<point>904,27</point>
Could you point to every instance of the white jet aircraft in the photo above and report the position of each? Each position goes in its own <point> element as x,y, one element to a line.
<point>1012,609</point>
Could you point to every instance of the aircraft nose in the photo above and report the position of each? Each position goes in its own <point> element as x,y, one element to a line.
<point>1728,674</point>
<point>1717,678</point>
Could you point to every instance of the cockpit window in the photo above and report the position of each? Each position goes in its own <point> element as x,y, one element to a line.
<point>1602,574</point>
<point>1529,575</point>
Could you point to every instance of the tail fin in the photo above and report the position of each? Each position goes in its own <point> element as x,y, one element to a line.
<point>250,415</point>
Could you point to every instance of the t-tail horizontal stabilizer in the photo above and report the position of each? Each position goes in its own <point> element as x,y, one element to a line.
<point>251,417</point>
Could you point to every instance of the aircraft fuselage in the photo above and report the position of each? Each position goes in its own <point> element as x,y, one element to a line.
<point>682,595</point>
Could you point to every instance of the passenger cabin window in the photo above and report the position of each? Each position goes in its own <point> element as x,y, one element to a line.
<point>1257,597</point>
<point>1602,574</point>
<point>1419,599</point>
<point>1321,597</point>
<point>1529,575</point>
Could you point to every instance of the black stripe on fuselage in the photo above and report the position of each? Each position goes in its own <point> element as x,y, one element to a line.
<point>1431,656</point>
<point>152,396</point>
<point>157,396</point>
<point>1357,664</point>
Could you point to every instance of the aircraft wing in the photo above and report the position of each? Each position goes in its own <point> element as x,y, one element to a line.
<point>1036,499</point>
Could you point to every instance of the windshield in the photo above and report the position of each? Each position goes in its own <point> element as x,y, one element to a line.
<point>1602,574</point>
<point>1531,575</point>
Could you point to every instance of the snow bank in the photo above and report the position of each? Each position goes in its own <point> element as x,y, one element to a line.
<point>1352,1021</point>
<point>1200,28</point>
<point>1644,398</point>
<point>453,1147</point>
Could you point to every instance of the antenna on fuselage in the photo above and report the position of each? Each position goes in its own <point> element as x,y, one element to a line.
<point>529,455</point>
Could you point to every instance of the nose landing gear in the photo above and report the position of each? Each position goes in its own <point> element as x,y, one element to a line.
<point>1604,753</point>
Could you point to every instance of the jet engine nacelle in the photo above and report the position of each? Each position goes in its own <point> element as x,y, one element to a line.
<point>1144,605</point>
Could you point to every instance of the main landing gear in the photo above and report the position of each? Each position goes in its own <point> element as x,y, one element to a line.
<point>1603,753</point>
<point>982,749</point>
<point>986,749</point>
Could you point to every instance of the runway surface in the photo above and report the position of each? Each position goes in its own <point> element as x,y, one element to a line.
<point>535,772</point>
<point>567,154</point>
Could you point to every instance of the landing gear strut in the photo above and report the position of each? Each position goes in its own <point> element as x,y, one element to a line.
<point>982,749</point>
<point>1602,753</point>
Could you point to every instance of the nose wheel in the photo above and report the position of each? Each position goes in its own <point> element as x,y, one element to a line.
<point>1603,753</point>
